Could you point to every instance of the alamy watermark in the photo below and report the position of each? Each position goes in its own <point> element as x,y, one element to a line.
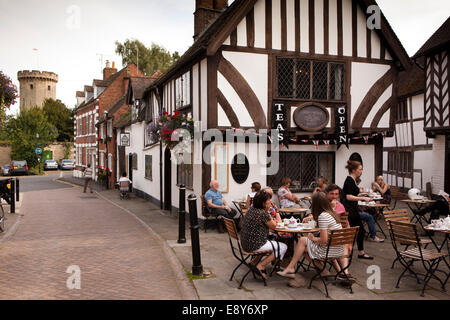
<point>74,280</point>
<point>73,21</point>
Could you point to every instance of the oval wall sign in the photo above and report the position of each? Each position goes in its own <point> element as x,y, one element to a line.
<point>311,117</point>
<point>240,168</point>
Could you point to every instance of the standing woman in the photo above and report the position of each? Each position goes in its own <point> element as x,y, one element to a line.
<point>351,192</point>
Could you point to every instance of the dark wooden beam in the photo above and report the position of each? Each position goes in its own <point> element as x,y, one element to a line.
<point>312,30</point>
<point>268,24</point>
<point>228,109</point>
<point>251,28</point>
<point>283,25</point>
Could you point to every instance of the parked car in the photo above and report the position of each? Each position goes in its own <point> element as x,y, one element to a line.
<point>19,167</point>
<point>50,165</point>
<point>6,169</point>
<point>67,165</point>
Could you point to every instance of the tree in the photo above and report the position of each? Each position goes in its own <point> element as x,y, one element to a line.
<point>61,117</point>
<point>150,59</point>
<point>8,96</point>
<point>23,131</point>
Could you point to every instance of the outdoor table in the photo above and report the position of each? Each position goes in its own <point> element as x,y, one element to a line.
<point>446,232</point>
<point>290,212</point>
<point>379,207</point>
<point>296,232</point>
<point>418,205</point>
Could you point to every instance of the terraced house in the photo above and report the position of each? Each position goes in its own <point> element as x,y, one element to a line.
<point>96,101</point>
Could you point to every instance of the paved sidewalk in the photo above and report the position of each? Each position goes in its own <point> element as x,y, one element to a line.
<point>119,257</point>
<point>217,258</point>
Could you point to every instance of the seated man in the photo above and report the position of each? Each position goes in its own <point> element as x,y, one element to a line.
<point>124,183</point>
<point>321,184</point>
<point>216,204</point>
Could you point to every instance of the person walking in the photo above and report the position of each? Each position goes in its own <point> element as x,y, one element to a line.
<point>88,178</point>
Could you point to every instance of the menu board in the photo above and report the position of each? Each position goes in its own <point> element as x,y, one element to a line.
<point>221,167</point>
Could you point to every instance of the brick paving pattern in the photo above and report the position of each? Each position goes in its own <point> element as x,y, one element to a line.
<point>118,257</point>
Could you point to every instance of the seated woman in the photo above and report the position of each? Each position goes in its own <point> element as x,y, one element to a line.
<point>256,187</point>
<point>255,232</point>
<point>321,185</point>
<point>316,248</point>
<point>383,188</point>
<point>287,199</point>
<point>273,210</point>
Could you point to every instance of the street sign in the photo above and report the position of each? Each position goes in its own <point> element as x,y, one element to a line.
<point>38,151</point>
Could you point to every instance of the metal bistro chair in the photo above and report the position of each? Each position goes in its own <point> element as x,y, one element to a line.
<point>240,254</point>
<point>406,233</point>
<point>401,215</point>
<point>339,237</point>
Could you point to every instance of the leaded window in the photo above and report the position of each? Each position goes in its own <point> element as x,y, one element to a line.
<point>310,80</point>
<point>303,168</point>
<point>148,167</point>
<point>183,91</point>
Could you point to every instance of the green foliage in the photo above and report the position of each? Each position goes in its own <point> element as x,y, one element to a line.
<point>61,117</point>
<point>22,133</point>
<point>67,150</point>
<point>8,96</point>
<point>150,59</point>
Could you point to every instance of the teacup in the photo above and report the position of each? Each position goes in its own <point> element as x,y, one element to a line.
<point>312,224</point>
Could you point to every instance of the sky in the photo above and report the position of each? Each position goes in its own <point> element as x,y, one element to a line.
<point>73,36</point>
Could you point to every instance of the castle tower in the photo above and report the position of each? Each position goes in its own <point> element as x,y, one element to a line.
<point>35,87</point>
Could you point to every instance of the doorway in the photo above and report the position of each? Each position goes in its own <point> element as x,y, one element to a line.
<point>167,180</point>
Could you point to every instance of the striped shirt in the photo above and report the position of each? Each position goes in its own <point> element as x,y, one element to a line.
<point>88,173</point>
<point>315,251</point>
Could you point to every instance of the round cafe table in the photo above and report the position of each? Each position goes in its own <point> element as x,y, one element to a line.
<point>296,232</point>
<point>379,207</point>
<point>446,233</point>
<point>418,204</point>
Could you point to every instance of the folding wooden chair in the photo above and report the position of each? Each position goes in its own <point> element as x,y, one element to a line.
<point>406,233</point>
<point>401,215</point>
<point>341,237</point>
<point>240,254</point>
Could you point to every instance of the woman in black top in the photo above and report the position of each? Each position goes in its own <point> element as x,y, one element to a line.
<point>350,201</point>
<point>255,233</point>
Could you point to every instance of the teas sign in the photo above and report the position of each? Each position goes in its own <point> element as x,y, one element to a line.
<point>125,139</point>
<point>341,126</point>
<point>279,122</point>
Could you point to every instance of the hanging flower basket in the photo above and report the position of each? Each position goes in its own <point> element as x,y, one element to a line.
<point>168,124</point>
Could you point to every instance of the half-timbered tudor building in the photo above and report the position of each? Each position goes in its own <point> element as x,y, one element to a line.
<point>419,151</point>
<point>312,66</point>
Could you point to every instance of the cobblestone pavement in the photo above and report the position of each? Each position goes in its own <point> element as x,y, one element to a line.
<point>118,257</point>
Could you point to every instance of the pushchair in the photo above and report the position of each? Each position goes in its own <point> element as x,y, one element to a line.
<point>124,187</point>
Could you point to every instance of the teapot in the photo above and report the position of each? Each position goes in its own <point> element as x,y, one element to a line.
<point>293,222</point>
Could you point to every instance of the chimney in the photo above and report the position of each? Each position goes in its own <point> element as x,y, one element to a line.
<point>205,12</point>
<point>108,71</point>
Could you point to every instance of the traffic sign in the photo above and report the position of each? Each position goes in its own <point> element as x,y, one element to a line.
<point>38,151</point>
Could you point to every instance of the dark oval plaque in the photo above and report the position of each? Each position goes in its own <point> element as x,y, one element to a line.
<point>311,117</point>
<point>240,168</point>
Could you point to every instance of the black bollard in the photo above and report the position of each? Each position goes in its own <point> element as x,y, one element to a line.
<point>13,196</point>
<point>197,268</point>
<point>17,190</point>
<point>182,215</point>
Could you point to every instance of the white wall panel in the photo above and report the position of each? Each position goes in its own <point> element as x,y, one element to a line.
<point>242,33</point>
<point>276,24</point>
<point>347,27</point>
<point>260,24</point>
<point>333,28</point>
<point>290,23</point>
<point>362,33</point>
<point>318,26</point>
<point>376,107</point>
<point>304,26</point>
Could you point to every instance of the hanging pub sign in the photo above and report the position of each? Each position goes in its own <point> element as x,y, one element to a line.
<point>341,126</point>
<point>280,122</point>
<point>124,139</point>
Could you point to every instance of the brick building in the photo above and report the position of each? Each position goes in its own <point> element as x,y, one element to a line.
<point>93,102</point>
